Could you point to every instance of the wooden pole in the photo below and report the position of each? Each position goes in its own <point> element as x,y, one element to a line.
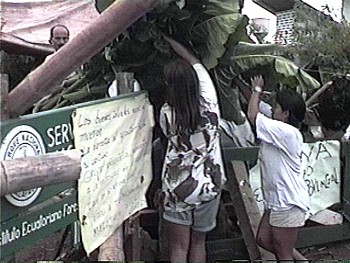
<point>246,209</point>
<point>113,248</point>
<point>42,81</point>
<point>4,97</point>
<point>38,171</point>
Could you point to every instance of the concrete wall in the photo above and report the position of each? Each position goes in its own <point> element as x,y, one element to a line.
<point>284,27</point>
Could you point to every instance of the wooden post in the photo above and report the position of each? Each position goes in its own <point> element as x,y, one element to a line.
<point>125,82</point>
<point>246,209</point>
<point>4,96</point>
<point>112,249</point>
<point>38,171</point>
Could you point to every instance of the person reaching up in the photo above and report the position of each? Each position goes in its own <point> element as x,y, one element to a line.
<point>193,172</point>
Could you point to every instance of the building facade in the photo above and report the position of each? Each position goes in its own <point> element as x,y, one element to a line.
<point>285,16</point>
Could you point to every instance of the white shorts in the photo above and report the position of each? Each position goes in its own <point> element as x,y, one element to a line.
<point>294,217</point>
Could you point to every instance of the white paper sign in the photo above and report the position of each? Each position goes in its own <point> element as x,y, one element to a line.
<point>116,138</point>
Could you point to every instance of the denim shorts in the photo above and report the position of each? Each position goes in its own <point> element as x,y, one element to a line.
<point>294,217</point>
<point>202,218</point>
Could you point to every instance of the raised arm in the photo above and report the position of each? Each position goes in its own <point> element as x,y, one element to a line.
<point>253,106</point>
<point>182,51</point>
<point>315,96</point>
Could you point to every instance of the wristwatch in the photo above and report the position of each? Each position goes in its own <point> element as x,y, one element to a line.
<point>257,89</point>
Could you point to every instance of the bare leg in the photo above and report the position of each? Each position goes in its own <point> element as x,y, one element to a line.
<point>264,235</point>
<point>197,251</point>
<point>178,239</point>
<point>284,239</point>
<point>163,242</point>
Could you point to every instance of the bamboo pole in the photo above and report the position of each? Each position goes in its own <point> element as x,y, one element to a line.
<point>43,80</point>
<point>30,172</point>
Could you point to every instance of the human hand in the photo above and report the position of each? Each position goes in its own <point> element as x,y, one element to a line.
<point>158,200</point>
<point>257,81</point>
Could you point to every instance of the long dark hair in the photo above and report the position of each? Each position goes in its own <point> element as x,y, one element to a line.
<point>183,95</point>
<point>293,102</point>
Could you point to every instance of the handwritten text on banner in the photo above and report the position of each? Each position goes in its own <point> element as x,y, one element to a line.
<point>116,139</point>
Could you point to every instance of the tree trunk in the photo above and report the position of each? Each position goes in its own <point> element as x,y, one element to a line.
<point>30,172</point>
<point>42,81</point>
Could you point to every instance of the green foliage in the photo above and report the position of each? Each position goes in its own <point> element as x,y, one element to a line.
<point>203,24</point>
<point>334,105</point>
<point>278,72</point>
<point>215,30</point>
<point>321,41</point>
<point>102,5</point>
<point>17,67</point>
<point>322,46</point>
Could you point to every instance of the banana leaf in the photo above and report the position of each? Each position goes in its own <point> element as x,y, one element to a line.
<point>276,71</point>
<point>244,48</point>
<point>221,7</point>
<point>290,74</point>
<point>216,32</point>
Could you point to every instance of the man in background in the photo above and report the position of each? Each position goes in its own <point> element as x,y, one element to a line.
<point>59,36</point>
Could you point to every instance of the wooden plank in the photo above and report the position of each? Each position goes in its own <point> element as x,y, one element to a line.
<point>247,154</point>
<point>112,248</point>
<point>246,209</point>
<point>327,217</point>
<point>317,235</point>
<point>226,249</point>
<point>132,238</point>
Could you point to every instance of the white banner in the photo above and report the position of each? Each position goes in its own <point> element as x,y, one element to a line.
<point>321,172</point>
<point>116,138</point>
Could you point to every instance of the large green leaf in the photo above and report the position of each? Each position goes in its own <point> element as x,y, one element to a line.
<point>244,48</point>
<point>215,31</point>
<point>102,5</point>
<point>283,66</point>
<point>275,70</point>
<point>221,7</point>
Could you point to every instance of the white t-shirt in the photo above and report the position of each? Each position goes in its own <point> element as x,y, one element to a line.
<point>280,155</point>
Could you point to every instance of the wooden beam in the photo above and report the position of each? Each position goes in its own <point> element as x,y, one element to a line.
<point>112,248</point>
<point>246,208</point>
<point>317,235</point>
<point>30,172</point>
